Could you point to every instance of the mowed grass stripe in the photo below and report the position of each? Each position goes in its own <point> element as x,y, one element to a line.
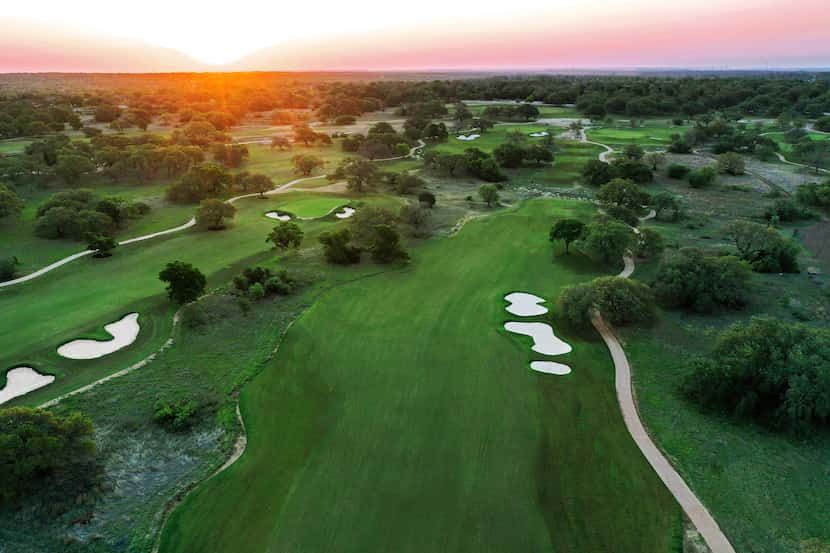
<point>400,416</point>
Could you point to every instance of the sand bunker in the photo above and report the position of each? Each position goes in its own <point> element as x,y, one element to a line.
<point>544,340</point>
<point>276,215</point>
<point>124,332</point>
<point>345,214</point>
<point>549,367</point>
<point>538,134</point>
<point>22,380</point>
<point>525,305</point>
<point>468,137</point>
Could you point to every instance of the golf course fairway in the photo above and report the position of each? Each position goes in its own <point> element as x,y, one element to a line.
<point>400,416</point>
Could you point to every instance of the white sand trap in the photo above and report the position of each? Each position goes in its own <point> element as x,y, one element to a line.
<point>345,214</point>
<point>549,367</point>
<point>468,137</point>
<point>525,305</point>
<point>544,340</point>
<point>22,380</point>
<point>124,332</point>
<point>538,134</point>
<point>277,216</point>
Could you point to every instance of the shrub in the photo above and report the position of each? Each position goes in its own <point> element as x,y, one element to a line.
<point>787,210</point>
<point>256,291</point>
<point>731,163</point>
<point>768,371</point>
<point>619,300</point>
<point>386,245</point>
<point>427,199</point>
<point>8,268</point>
<point>677,171</point>
<point>175,416</point>
<point>338,248</point>
<point>705,176</point>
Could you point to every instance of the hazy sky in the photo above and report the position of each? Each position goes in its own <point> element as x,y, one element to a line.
<point>95,35</point>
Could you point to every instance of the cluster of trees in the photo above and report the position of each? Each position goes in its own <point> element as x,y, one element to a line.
<point>371,229</point>
<point>763,247</point>
<point>76,214</point>
<point>630,165</point>
<point>814,194</point>
<point>767,371</point>
<point>259,282</point>
<point>689,279</point>
<point>11,204</point>
<point>36,114</point>
<point>40,450</point>
<point>213,180</point>
<point>619,300</point>
<point>473,162</point>
<point>512,155</point>
<point>622,199</point>
<point>521,112</point>
<point>382,141</point>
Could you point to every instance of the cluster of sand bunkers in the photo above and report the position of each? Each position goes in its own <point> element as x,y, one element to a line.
<point>22,380</point>
<point>344,213</point>
<point>545,341</point>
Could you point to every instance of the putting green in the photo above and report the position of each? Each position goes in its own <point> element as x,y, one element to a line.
<point>312,207</point>
<point>400,416</point>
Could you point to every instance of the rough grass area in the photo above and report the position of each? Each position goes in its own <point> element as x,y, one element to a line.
<point>403,395</point>
<point>218,348</point>
<point>768,491</point>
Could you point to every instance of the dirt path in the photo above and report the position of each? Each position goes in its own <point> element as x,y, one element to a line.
<point>691,505</point>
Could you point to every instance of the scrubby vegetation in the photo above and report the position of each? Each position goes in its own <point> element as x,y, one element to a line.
<point>768,371</point>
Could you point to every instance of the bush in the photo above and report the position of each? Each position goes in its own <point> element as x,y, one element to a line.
<point>768,371</point>
<point>175,416</point>
<point>677,171</point>
<point>689,279</point>
<point>787,210</point>
<point>702,177</point>
<point>649,243</point>
<point>256,291</point>
<point>338,247</point>
<point>731,163</point>
<point>427,199</point>
<point>8,268</point>
<point>619,300</point>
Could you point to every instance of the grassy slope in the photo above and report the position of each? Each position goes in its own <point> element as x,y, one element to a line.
<point>79,298</point>
<point>423,428</point>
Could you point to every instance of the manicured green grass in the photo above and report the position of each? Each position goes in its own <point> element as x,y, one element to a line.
<point>490,139</point>
<point>787,147</point>
<point>81,297</point>
<point>644,136</point>
<point>545,112</point>
<point>309,207</point>
<point>13,146</point>
<point>399,416</point>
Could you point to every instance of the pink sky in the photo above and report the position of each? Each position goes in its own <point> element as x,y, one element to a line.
<point>534,34</point>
